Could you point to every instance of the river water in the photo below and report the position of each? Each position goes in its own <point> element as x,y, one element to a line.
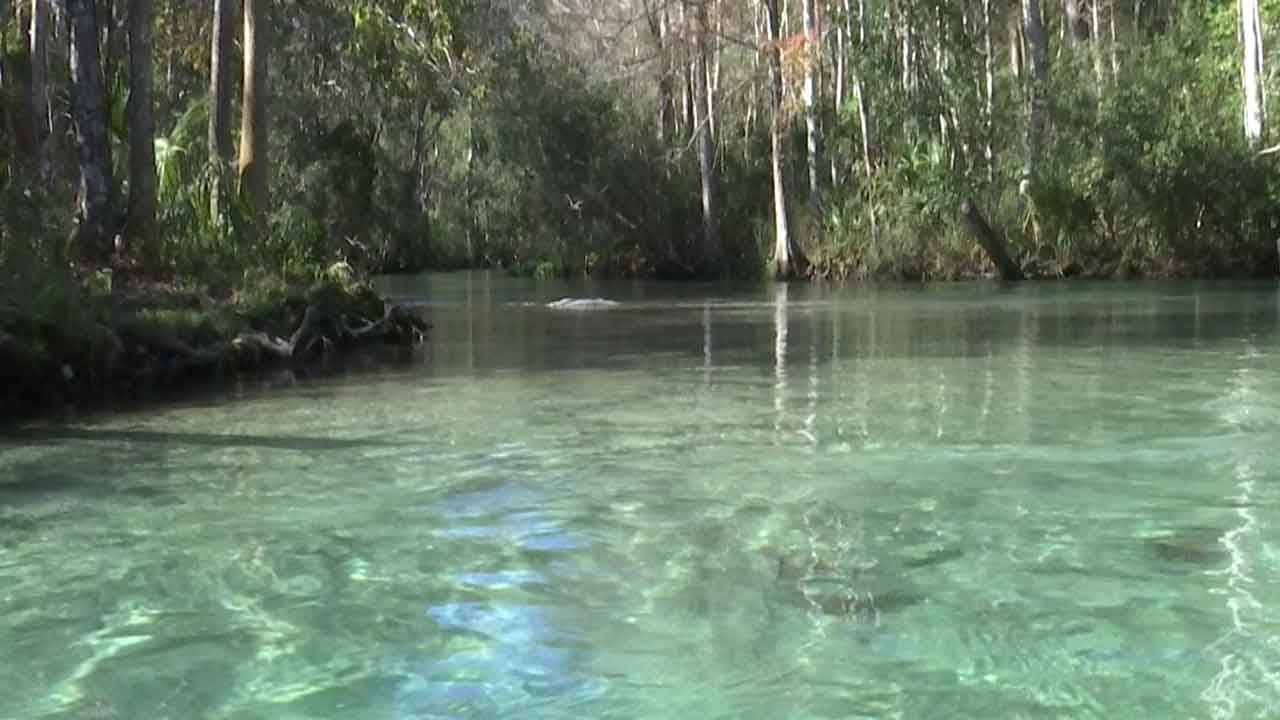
<point>962,501</point>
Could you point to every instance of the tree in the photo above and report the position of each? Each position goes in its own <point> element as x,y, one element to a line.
<point>1037,45</point>
<point>39,98</point>
<point>1076,31</point>
<point>813,44</point>
<point>702,129</point>
<point>788,261</point>
<point>89,115</point>
<point>220,148</point>
<point>1251,75</point>
<point>253,111</point>
<point>142,157</point>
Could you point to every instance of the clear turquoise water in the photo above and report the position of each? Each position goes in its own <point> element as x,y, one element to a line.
<point>961,502</point>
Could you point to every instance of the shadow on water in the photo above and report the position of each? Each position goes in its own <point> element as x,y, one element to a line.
<point>209,440</point>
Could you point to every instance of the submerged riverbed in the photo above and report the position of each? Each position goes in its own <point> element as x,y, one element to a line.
<point>963,501</point>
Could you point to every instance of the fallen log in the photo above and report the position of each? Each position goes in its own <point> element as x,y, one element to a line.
<point>993,244</point>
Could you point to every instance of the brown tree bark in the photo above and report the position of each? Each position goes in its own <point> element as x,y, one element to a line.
<point>142,157</point>
<point>993,244</point>
<point>94,229</point>
<point>220,148</point>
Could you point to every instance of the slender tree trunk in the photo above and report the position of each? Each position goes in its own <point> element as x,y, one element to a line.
<point>813,137</point>
<point>39,100</point>
<point>666,101</point>
<point>908,54</point>
<point>1016,57</point>
<point>702,131</point>
<point>989,90</point>
<point>1038,48</point>
<point>1115,59</point>
<point>254,124</point>
<point>89,114</point>
<point>1099,73</point>
<point>221,150</point>
<point>142,158</point>
<point>788,261</point>
<point>865,120</point>
<point>841,57</point>
<point>1251,76</point>
<point>4,53</point>
<point>1074,29</point>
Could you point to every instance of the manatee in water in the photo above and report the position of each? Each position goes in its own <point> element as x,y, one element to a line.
<point>933,557</point>
<point>582,304</point>
<point>1190,546</point>
<point>849,590</point>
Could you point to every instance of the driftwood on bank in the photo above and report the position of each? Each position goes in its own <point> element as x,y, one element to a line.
<point>993,244</point>
<point>317,334</point>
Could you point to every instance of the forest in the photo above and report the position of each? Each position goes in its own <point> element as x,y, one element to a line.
<point>225,152</point>
<point>225,144</point>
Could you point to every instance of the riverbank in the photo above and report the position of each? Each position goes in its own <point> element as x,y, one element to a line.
<point>100,346</point>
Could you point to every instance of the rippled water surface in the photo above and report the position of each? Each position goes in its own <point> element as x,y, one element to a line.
<point>782,502</point>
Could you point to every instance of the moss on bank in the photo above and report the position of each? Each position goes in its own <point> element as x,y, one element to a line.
<point>87,346</point>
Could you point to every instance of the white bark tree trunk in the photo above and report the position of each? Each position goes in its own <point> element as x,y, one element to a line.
<point>787,260</point>
<point>702,131</point>
<point>1099,73</point>
<point>813,53</point>
<point>1255,107</point>
<point>989,90</point>
<point>1074,29</point>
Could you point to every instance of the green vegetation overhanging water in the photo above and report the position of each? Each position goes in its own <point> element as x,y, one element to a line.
<point>964,501</point>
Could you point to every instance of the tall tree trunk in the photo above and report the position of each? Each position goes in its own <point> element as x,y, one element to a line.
<point>841,56</point>
<point>220,148</point>
<point>253,111</point>
<point>38,50</point>
<point>142,157</point>
<point>813,138</point>
<point>1075,32</point>
<point>1038,48</point>
<point>1251,75</point>
<point>702,130</point>
<point>1017,59</point>
<point>788,261</point>
<point>685,119</point>
<point>989,91</point>
<point>89,114</point>
<point>908,53</point>
<point>666,98</point>
<point>1115,59</point>
<point>864,119</point>
<point>1099,73</point>
<point>4,53</point>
